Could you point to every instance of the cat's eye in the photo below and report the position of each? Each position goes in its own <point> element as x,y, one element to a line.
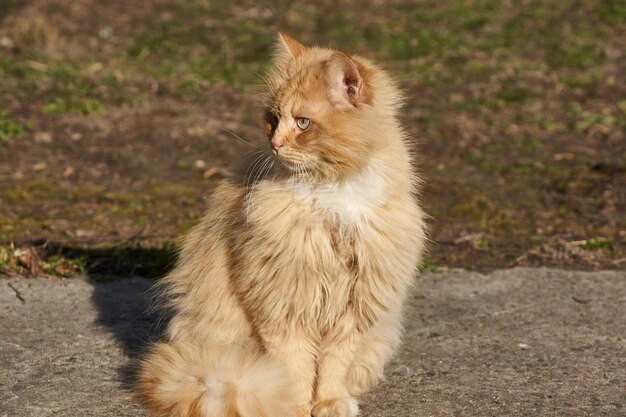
<point>303,123</point>
<point>271,119</point>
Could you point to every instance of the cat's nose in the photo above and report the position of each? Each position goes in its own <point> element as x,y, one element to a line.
<point>276,146</point>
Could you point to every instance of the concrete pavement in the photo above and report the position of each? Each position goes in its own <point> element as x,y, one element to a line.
<point>518,342</point>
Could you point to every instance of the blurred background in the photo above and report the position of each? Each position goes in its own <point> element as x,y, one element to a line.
<point>114,118</point>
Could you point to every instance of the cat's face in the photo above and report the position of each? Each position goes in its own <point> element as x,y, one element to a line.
<point>315,118</point>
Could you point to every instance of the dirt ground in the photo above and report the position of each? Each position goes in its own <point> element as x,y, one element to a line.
<point>115,121</point>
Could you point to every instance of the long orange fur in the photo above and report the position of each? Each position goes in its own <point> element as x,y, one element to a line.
<point>288,295</point>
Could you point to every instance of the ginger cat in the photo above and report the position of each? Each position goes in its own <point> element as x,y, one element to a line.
<point>288,296</point>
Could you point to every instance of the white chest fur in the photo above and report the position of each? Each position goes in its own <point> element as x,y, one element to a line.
<point>351,201</point>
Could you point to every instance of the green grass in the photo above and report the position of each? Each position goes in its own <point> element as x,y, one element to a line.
<point>436,41</point>
<point>11,129</point>
<point>513,94</point>
<point>57,265</point>
<point>55,259</point>
<point>530,143</point>
<point>186,56</point>
<point>612,11</point>
<point>482,244</point>
<point>597,243</point>
<point>63,86</point>
<point>72,104</point>
<point>6,258</point>
<point>587,122</point>
<point>430,265</point>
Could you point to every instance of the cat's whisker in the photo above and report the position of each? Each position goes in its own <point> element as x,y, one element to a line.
<point>250,165</point>
<point>301,173</point>
<point>274,169</point>
<point>252,152</point>
<point>259,172</point>
<point>251,169</point>
<point>237,136</point>
<point>263,169</point>
<point>266,163</point>
<point>248,185</point>
<point>262,161</point>
<point>255,171</point>
<point>271,164</point>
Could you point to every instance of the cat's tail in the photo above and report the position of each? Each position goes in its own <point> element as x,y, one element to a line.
<point>180,380</point>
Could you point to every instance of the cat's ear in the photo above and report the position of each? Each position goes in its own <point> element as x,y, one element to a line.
<point>344,81</point>
<point>290,45</point>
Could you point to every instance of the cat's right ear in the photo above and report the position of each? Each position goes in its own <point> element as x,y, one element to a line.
<point>290,45</point>
<point>344,82</point>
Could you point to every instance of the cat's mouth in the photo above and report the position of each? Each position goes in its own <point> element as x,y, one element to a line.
<point>296,162</point>
<point>290,164</point>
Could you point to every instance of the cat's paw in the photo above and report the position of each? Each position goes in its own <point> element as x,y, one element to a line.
<point>303,412</point>
<point>361,378</point>
<point>337,407</point>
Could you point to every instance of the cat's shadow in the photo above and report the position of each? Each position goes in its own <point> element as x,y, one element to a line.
<point>124,301</point>
<point>123,310</point>
<point>124,306</point>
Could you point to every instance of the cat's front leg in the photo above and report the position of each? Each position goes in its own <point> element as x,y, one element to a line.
<point>296,352</point>
<point>374,351</point>
<point>332,398</point>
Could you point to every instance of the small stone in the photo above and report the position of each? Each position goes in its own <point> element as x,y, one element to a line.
<point>43,137</point>
<point>210,172</point>
<point>81,233</point>
<point>7,42</point>
<point>567,156</point>
<point>39,166</point>
<point>95,67</point>
<point>106,32</point>
<point>37,66</point>
<point>69,171</point>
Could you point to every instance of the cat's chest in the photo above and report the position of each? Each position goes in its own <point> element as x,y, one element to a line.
<point>350,203</point>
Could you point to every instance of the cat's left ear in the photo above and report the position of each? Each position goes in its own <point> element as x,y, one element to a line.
<point>292,46</point>
<point>344,82</point>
